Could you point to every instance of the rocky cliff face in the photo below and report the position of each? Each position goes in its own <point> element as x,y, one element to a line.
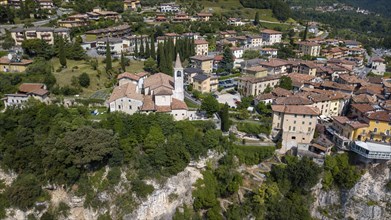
<point>368,199</point>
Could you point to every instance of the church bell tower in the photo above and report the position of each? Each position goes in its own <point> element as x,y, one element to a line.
<point>178,80</point>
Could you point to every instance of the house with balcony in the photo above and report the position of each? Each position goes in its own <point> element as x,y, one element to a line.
<point>132,5</point>
<point>271,37</point>
<point>37,91</point>
<point>115,44</point>
<point>45,33</point>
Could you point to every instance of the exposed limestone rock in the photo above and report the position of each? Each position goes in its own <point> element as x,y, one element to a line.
<point>368,199</point>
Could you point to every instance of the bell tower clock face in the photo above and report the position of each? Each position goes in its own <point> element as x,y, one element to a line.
<point>179,74</point>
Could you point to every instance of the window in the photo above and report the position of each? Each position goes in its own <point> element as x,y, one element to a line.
<point>302,122</point>
<point>294,128</point>
<point>375,130</point>
<point>309,129</point>
<point>310,123</point>
<point>290,128</point>
<point>294,122</point>
<point>293,137</point>
<point>295,116</point>
<point>130,107</point>
<point>179,74</point>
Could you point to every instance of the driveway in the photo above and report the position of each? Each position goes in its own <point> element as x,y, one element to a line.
<point>229,99</point>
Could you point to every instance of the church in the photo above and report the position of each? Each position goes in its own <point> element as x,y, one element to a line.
<point>146,93</point>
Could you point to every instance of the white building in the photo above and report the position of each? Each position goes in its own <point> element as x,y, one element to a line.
<point>26,91</point>
<point>169,8</point>
<point>269,52</point>
<point>237,52</point>
<point>371,151</point>
<point>378,66</point>
<point>254,41</point>
<point>116,45</point>
<point>235,22</point>
<point>271,37</point>
<point>158,93</point>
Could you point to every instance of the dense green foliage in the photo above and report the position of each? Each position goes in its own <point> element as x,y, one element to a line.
<point>252,155</point>
<point>338,171</point>
<point>286,83</point>
<point>253,128</point>
<point>227,63</point>
<point>280,9</point>
<point>61,146</point>
<point>210,105</point>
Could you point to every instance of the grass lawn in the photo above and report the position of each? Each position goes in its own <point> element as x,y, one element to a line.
<point>233,5</point>
<point>190,104</point>
<point>98,81</point>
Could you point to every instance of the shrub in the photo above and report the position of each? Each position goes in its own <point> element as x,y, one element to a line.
<point>251,155</point>
<point>141,188</point>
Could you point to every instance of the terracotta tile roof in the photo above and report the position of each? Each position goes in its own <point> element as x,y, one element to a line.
<point>30,87</point>
<point>363,98</point>
<point>260,79</point>
<point>280,92</point>
<point>198,42</point>
<point>148,104</point>
<point>163,108</point>
<point>128,76</point>
<point>301,77</point>
<point>256,69</point>
<point>378,59</point>
<point>265,96</point>
<point>269,31</point>
<point>201,58</point>
<point>296,109</point>
<point>341,119</point>
<point>308,43</point>
<point>353,79</point>
<point>162,91</point>
<point>380,116</point>
<point>23,62</point>
<point>363,107</point>
<point>274,63</point>
<point>40,92</point>
<point>337,86</point>
<point>293,100</point>
<point>159,79</point>
<point>372,89</point>
<point>177,104</point>
<point>127,90</point>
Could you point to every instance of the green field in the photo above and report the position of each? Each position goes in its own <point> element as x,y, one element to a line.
<point>99,82</point>
<point>234,5</point>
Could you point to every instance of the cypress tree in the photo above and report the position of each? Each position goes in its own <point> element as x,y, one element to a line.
<point>152,47</point>
<point>224,115</point>
<point>192,47</point>
<point>305,32</point>
<point>142,52</point>
<point>227,61</point>
<point>108,57</point>
<point>163,61</point>
<point>61,53</point>
<point>123,62</point>
<point>147,50</point>
<point>77,51</point>
<point>256,19</point>
<point>135,53</point>
<point>159,54</point>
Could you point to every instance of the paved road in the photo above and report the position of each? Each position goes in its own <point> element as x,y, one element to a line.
<point>59,13</point>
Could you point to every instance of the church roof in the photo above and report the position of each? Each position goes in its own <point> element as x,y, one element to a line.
<point>127,90</point>
<point>159,79</point>
<point>178,64</point>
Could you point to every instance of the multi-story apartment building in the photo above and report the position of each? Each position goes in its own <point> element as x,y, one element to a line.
<point>45,4</point>
<point>169,8</point>
<point>203,63</point>
<point>45,33</point>
<point>37,91</point>
<point>116,45</point>
<point>293,125</point>
<point>117,31</point>
<point>309,48</point>
<point>204,83</point>
<point>251,86</point>
<point>201,47</point>
<point>271,37</point>
<point>78,20</point>
<point>254,41</point>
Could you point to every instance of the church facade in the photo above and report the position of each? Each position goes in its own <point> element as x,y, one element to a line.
<point>145,93</point>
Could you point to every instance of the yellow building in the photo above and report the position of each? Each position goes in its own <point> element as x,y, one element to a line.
<point>256,71</point>
<point>203,63</point>
<point>201,83</point>
<point>309,48</point>
<point>379,126</point>
<point>132,4</point>
<point>3,2</point>
<point>8,65</point>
